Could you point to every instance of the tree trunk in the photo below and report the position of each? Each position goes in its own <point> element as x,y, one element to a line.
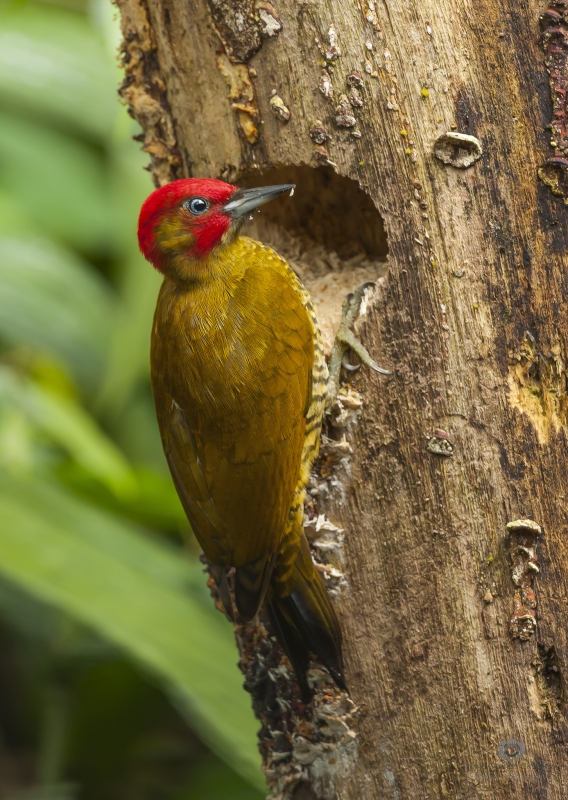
<point>436,115</point>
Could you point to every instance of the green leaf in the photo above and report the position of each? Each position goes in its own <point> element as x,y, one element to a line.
<point>58,181</point>
<point>141,595</point>
<point>155,504</point>
<point>58,791</point>
<point>138,282</point>
<point>54,64</point>
<point>129,351</point>
<point>135,428</point>
<point>17,439</point>
<point>53,301</point>
<point>213,780</point>
<point>68,425</point>
<point>44,625</point>
<point>13,218</point>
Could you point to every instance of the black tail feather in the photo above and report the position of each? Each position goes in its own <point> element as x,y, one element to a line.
<point>304,621</point>
<point>320,632</point>
<point>293,645</point>
<point>251,583</point>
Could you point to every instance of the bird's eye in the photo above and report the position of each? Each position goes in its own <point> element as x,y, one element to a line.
<point>196,205</point>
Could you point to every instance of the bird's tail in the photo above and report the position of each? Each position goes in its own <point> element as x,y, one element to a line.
<point>302,615</point>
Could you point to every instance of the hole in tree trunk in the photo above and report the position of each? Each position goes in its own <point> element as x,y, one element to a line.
<point>330,233</point>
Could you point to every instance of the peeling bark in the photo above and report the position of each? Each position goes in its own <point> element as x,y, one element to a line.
<point>144,92</point>
<point>554,23</point>
<point>453,696</point>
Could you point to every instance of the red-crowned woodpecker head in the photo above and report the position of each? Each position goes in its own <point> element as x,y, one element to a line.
<point>184,221</point>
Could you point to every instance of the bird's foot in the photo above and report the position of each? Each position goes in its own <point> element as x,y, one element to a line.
<point>345,340</point>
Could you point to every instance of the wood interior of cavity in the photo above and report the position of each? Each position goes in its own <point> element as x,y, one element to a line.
<point>330,233</point>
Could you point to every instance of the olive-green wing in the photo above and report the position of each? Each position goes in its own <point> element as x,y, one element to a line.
<point>234,434</point>
<point>251,580</point>
<point>190,481</point>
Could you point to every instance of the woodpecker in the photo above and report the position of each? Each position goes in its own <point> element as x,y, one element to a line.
<point>240,381</point>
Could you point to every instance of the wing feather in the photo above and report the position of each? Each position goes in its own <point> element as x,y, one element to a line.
<point>231,374</point>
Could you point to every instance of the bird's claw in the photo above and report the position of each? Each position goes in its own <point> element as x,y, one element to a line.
<point>346,340</point>
<point>349,367</point>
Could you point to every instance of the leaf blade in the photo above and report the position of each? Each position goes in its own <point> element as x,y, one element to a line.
<point>101,583</point>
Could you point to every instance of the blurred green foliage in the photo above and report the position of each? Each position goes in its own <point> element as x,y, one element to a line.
<point>118,679</point>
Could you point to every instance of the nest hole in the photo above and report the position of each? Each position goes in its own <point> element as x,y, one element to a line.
<point>330,232</point>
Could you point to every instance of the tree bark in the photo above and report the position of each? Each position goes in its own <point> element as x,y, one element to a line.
<point>449,575</point>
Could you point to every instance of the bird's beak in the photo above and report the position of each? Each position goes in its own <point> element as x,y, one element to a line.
<point>245,200</point>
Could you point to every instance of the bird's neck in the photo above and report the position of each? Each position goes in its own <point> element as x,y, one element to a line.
<point>199,296</point>
<point>197,316</point>
<point>224,263</point>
